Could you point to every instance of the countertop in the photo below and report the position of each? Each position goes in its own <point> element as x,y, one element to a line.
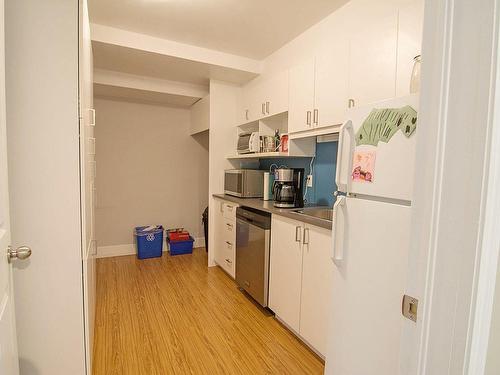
<point>267,206</point>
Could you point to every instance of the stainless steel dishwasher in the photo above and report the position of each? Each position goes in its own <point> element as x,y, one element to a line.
<point>253,241</point>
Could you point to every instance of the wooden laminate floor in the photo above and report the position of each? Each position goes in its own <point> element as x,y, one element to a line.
<point>173,315</point>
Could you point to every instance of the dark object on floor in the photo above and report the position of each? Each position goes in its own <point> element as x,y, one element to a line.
<point>204,219</point>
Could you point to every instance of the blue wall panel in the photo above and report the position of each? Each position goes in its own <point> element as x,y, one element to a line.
<point>324,172</point>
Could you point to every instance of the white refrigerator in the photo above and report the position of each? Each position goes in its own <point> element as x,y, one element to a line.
<point>371,230</point>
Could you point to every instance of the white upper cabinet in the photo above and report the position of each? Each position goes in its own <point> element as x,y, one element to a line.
<point>372,60</point>
<point>249,108</point>
<point>275,93</point>
<point>264,97</point>
<point>331,83</point>
<point>254,100</point>
<point>367,57</point>
<point>301,97</point>
<point>200,116</point>
<point>319,88</point>
<point>409,43</point>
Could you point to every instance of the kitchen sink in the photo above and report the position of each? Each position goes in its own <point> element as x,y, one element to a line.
<point>323,213</point>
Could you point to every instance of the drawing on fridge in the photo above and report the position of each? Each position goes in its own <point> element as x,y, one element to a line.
<point>371,230</point>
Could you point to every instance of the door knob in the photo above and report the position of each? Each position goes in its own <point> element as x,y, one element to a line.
<point>22,252</point>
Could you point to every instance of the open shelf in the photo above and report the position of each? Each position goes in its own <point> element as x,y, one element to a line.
<point>266,155</point>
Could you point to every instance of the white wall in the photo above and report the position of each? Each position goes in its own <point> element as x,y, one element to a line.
<point>43,151</point>
<point>149,170</point>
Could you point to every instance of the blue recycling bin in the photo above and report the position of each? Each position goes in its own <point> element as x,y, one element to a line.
<point>149,242</point>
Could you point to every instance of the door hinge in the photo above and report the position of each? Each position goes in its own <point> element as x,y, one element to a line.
<point>410,307</point>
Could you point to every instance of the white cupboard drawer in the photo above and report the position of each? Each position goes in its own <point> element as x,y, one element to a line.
<point>229,230</point>
<point>227,263</point>
<point>230,210</point>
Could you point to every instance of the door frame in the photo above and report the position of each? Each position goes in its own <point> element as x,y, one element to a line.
<point>458,245</point>
<point>490,242</point>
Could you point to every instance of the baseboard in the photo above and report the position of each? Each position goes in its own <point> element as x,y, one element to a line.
<point>199,242</point>
<point>115,250</point>
<point>129,249</point>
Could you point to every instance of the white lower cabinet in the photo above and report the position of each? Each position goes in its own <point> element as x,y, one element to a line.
<point>225,236</point>
<point>317,274</point>
<point>286,270</point>
<point>300,279</point>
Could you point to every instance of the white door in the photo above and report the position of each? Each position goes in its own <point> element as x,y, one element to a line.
<point>369,279</point>
<point>88,175</point>
<point>301,97</point>
<point>285,270</point>
<point>317,285</point>
<point>8,345</point>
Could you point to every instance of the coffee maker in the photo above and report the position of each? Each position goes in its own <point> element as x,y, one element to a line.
<point>288,188</point>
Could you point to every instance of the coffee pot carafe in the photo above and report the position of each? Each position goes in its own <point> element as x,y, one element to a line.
<point>288,187</point>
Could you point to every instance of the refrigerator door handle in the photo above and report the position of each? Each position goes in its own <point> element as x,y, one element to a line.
<point>344,187</point>
<point>339,204</point>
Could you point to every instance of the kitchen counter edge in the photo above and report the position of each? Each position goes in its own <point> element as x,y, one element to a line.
<point>267,206</point>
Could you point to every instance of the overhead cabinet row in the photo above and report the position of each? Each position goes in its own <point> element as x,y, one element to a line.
<point>354,70</point>
<point>357,67</point>
<point>264,98</point>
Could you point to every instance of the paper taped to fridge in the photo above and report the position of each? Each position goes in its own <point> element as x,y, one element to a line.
<point>382,123</point>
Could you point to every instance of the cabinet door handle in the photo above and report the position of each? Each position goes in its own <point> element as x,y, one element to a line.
<point>297,233</point>
<point>246,114</point>
<point>92,117</point>
<point>228,261</point>
<point>315,117</point>
<point>229,208</point>
<point>263,108</point>
<point>306,238</point>
<point>267,107</point>
<point>229,244</point>
<point>308,118</point>
<point>351,103</point>
<point>229,226</point>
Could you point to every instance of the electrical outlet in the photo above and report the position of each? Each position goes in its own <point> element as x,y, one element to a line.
<point>309,180</point>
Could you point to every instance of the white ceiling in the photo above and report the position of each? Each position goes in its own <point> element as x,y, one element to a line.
<point>143,96</point>
<point>250,28</point>
<point>144,63</point>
